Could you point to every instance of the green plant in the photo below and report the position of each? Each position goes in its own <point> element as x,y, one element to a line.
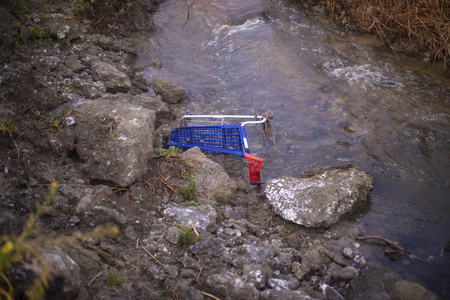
<point>37,33</point>
<point>111,133</point>
<point>113,279</point>
<point>8,127</point>
<point>28,247</point>
<point>59,10</point>
<point>85,9</point>
<point>188,193</point>
<point>18,41</point>
<point>63,44</point>
<point>171,151</point>
<point>187,237</point>
<point>18,9</point>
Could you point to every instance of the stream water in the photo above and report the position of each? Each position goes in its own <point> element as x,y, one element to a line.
<point>337,100</point>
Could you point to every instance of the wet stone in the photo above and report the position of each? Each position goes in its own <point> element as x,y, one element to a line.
<point>391,254</point>
<point>348,253</point>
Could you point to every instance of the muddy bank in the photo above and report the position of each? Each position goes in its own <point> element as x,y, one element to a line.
<point>82,116</point>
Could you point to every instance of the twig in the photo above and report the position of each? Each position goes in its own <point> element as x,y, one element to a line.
<point>148,252</point>
<point>195,231</point>
<point>209,295</point>
<point>137,244</point>
<point>93,279</point>
<point>390,243</point>
<point>111,255</point>
<point>18,152</point>
<point>199,273</point>
<point>291,236</point>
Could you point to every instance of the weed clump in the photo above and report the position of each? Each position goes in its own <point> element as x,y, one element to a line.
<point>170,151</point>
<point>113,279</point>
<point>187,237</point>
<point>8,128</point>
<point>188,193</point>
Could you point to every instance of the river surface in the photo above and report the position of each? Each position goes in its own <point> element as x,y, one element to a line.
<point>337,100</point>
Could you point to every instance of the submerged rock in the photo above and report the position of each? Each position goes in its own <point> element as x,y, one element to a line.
<point>406,290</point>
<point>321,199</point>
<point>169,91</point>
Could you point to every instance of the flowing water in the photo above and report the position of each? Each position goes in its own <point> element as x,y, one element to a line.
<point>337,100</point>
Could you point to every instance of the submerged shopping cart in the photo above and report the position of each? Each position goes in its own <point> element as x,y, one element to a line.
<point>223,138</point>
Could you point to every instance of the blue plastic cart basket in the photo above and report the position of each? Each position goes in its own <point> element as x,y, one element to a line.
<point>224,138</point>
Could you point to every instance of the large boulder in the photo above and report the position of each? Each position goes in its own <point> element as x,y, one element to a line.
<point>114,140</point>
<point>210,176</point>
<point>162,110</point>
<point>114,80</point>
<point>169,91</point>
<point>320,199</point>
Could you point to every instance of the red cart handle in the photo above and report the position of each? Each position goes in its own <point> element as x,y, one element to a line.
<point>254,168</point>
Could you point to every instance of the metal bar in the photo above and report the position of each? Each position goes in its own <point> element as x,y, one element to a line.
<point>260,119</point>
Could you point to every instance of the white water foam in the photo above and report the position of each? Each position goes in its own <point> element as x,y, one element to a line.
<point>366,75</point>
<point>229,30</point>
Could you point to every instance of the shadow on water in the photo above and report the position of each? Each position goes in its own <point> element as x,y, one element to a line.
<point>337,100</point>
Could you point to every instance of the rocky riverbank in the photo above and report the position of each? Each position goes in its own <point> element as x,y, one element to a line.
<point>75,109</point>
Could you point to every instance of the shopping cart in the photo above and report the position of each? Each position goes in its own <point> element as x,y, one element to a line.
<point>223,138</point>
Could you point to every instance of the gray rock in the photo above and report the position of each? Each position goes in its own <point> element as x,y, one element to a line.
<point>162,110</point>
<point>169,91</point>
<point>66,279</point>
<point>114,140</point>
<point>173,235</point>
<point>256,274</point>
<point>210,176</point>
<point>88,88</point>
<point>320,200</point>
<point>201,216</point>
<point>93,207</point>
<point>62,28</point>
<point>407,290</point>
<point>114,80</point>
<point>373,282</point>
<point>348,253</point>
<point>284,294</point>
<point>73,63</point>
<point>282,284</point>
<point>339,273</point>
<point>228,286</point>
<point>209,246</point>
<point>313,260</point>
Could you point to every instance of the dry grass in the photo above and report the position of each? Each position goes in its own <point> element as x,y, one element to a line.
<point>425,23</point>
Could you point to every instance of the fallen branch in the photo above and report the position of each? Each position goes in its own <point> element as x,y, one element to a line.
<point>393,244</point>
<point>148,252</point>
<point>93,279</point>
<point>209,295</point>
<point>199,273</point>
<point>110,255</point>
<point>195,231</point>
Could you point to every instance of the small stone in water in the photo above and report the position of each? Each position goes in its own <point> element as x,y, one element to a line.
<point>391,254</point>
<point>348,253</point>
